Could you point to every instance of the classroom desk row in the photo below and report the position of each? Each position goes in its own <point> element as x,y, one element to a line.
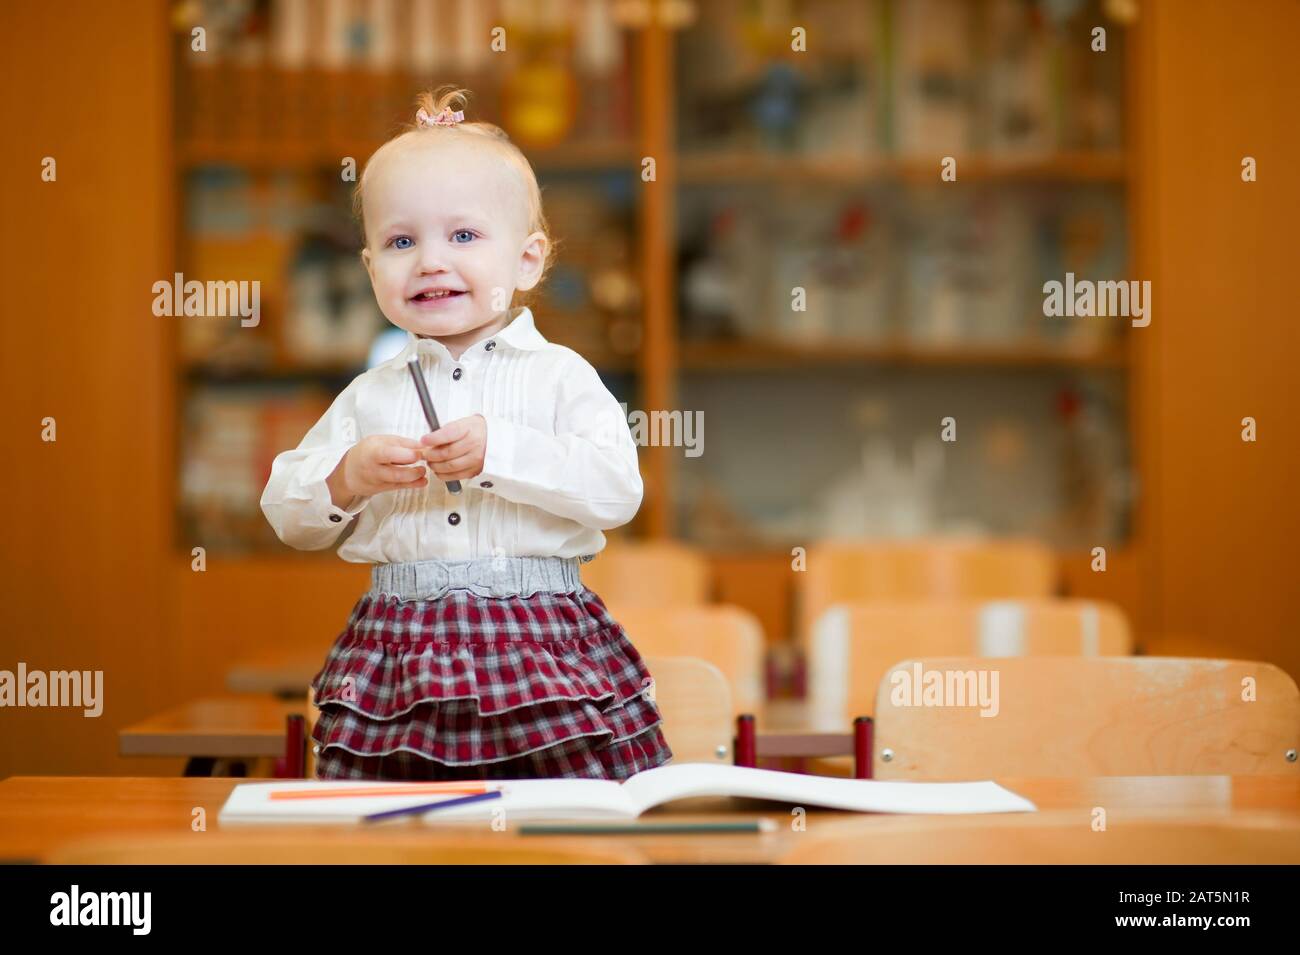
<point>209,730</point>
<point>40,814</point>
<point>239,730</point>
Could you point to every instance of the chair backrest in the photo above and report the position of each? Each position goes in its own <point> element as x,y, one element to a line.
<point>979,718</point>
<point>1267,839</point>
<point>318,846</point>
<point>648,573</point>
<point>728,637</point>
<point>695,701</point>
<point>854,645</point>
<point>926,569</point>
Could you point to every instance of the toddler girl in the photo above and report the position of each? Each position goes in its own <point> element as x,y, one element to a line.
<point>477,652</point>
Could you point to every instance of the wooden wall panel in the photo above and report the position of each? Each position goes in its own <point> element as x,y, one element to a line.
<point>1222,83</point>
<point>86,516</point>
<point>240,606</point>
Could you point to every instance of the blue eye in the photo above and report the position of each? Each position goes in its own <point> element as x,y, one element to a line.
<point>397,242</point>
<point>463,232</point>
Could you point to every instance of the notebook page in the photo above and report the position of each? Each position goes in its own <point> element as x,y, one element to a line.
<point>561,799</point>
<point>685,780</point>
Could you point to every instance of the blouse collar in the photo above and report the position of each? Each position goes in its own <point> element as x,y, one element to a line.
<point>519,333</point>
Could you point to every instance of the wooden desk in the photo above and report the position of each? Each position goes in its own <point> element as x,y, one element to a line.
<point>237,727</point>
<point>39,813</point>
<point>249,726</point>
<point>279,672</point>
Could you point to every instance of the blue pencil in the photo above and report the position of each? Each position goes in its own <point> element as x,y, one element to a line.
<point>429,806</point>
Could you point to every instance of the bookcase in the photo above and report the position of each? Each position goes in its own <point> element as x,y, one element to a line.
<point>819,229</point>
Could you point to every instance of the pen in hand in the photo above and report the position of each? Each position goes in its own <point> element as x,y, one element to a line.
<point>426,402</point>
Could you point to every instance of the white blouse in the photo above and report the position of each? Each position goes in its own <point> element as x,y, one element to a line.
<point>560,464</point>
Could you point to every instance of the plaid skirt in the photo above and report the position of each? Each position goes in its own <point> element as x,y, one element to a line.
<point>467,686</point>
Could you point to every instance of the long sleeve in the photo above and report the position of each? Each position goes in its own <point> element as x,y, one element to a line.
<point>587,471</point>
<point>296,500</point>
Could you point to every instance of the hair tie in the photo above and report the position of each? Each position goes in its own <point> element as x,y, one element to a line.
<point>445,118</point>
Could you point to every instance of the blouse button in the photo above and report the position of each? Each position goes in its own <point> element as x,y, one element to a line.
<point>456,375</point>
<point>490,345</point>
<point>335,518</point>
<point>486,484</point>
<point>453,518</point>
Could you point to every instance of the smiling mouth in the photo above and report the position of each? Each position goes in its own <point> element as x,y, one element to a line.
<point>435,296</point>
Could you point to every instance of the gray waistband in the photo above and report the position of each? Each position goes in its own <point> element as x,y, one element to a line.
<point>485,576</point>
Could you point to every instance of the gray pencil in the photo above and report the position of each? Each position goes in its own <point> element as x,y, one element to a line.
<point>426,402</point>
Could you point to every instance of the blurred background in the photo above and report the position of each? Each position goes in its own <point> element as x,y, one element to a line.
<point>777,165</point>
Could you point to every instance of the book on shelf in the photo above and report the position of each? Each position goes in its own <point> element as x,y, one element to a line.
<point>231,436</point>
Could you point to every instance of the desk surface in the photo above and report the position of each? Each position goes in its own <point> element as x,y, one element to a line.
<point>233,726</point>
<point>40,813</point>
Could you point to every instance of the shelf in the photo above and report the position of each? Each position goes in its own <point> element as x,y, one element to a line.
<point>253,374</point>
<point>767,356</point>
<point>747,355</point>
<point>271,155</point>
<point>849,170</point>
<point>265,116</point>
<point>276,374</point>
<point>692,169</point>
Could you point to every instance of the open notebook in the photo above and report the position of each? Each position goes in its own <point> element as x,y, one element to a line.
<point>305,801</point>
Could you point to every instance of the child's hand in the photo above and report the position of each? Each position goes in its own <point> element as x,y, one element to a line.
<point>373,465</point>
<point>455,451</point>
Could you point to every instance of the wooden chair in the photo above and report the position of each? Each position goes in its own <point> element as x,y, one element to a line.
<point>1085,716</point>
<point>853,645</point>
<point>728,637</point>
<point>693,697</point>
<point>1048,839</point>
<point>405,845</point>
<point>650,573</point>
<point>926,569</point>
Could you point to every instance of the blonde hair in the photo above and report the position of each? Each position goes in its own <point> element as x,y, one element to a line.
<point>489,135</point>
